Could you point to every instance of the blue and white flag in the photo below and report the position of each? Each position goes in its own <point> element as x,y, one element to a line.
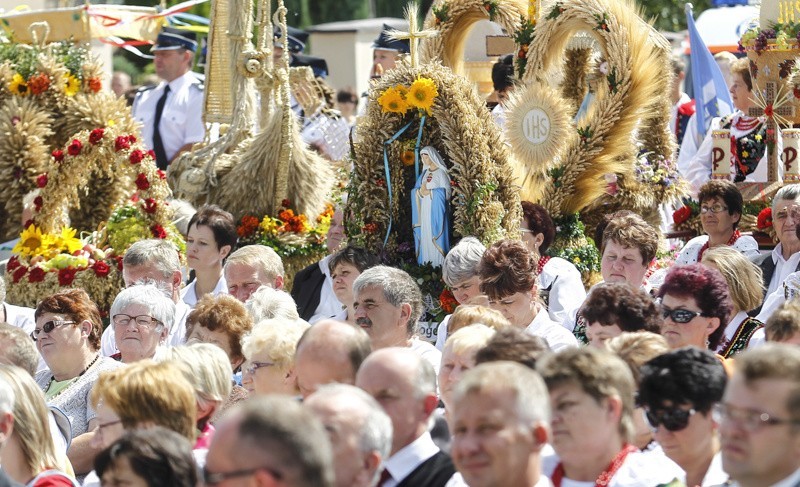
<point>711,95</point>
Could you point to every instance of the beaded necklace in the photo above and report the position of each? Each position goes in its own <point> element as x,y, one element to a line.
<point>606,475</point>
<point>731,241</point>
<point>53,377</point>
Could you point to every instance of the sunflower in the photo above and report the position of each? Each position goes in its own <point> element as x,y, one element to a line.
<point>32,242</point>
<point>421,94</point>
<point>67,241</point>
<point>18,86</point>
<point>71,85</point>
<point>392,102</point>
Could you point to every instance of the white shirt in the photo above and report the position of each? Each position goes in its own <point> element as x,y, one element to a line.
<point>329,306</point>
<point>745,244</point>
<point>758,337</point>
<point>427,352</point>
<point>177,334</point>
<point>775,300</point>
<point>715,475</point>
<point>791,481</point>
<point>566,288</point>
<point>182,118</point>
<point>458,481</point>
<point>556,336</point>
<point>638,470</point>
<point>408,458</point>
<point>441,333</point>
<point>21,317</point>
<point>783,268</point>
<point>189,293</point>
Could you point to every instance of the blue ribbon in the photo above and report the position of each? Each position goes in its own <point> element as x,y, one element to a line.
<point>416,147</point>
<point>388,176</point>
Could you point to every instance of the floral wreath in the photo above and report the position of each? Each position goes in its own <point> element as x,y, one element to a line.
<point>49,256</point>
<point>48,93</point>
<point>453,19</point>
<point>634,82</point>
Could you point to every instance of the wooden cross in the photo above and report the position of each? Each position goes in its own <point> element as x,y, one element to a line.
<point>413,35</point>
<point>785,110</point>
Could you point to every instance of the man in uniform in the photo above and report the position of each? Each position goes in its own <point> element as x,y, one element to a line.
<point>171,113</point>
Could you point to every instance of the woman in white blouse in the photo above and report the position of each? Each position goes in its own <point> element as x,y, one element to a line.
<point>211,238</point>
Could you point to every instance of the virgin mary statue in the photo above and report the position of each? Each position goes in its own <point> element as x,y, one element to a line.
<point>430,209</point>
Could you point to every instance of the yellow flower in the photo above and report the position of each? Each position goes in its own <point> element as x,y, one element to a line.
<point>270,225</point>
<point>71,85</point>
<point>422,93</point>
<point>18,86</point>
<point>745,153</point>
<point>32,242</point>
<point>67,240</point>
<point>758,137</point>
<point>392,101</point>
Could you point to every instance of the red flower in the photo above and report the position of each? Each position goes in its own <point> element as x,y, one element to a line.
<point>75,147</point>
<point>65,276</point>
<point>286,215</point>
<point>12,263</point>
<point>796,92</point>
<point>151,153</point>
<point>101,269</point>
<point>768,111</point>
<point>764,219</point>
<point>286,203</point>
<point>135,198</point>
<point>447,301</point>
<point>119,263</point>
<point>19,274</point>
<point>150,205</point>
<point>95,84</point>
<point>38,202</point>
<point>521,53</point>
<point>41,181</point>
<point>248,226</point>
<point>681,215</point>
<point>371,227</point>
<point>96,136</point>
<point>132,138</point>
<point>136,156</point>
<point>36,275</point>
<point>58,155</point>
<point>161,174</point>
<point>158,231</point>
<point>121,142</point>
<point>142,182</point>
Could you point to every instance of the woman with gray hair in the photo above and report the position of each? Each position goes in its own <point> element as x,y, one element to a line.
<point>142,316</point>
<point>460,273</point>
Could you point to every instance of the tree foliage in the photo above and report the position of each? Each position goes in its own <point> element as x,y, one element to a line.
<point>669,15</point>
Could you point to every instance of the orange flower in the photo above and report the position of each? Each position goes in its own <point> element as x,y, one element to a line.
<point>39,83</point>
<point>286,215</point>
<point>407,157</point>
<point>95,84</point>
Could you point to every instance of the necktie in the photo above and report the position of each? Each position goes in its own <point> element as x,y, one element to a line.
<point>385,475</point>
<point>158,144</point>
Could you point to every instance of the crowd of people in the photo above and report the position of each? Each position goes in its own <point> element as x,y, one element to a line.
<point>228,379</point>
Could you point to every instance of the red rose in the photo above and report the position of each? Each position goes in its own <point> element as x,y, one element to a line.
<point>121,142</point>
<point>150,205</point>
<point>142,182</point>
<point>151,153</point>
<point>37,203</point>
<point>101,269</point>
<point>447,301</point>
<point>12,263</point>
<point>19,273</point>
<point>58,155</point>
<point>136,156</point>
<point>96,136</point>
<point>161,174</point>
<point>764,219</point>
<point>75,147</point>
<point>36,275</point>
<point>41,181</point>
<point>286,203</point>
<point>158,231</point>
<point>65,276</point>
<point>132,139</point>
<point>681,215</point>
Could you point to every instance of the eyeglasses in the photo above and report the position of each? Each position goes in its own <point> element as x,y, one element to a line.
<point>214,478</point>
<point>251,369</point>
<point>749,419</point>
<point>679,315</point>
<point>107,425</point>
<point>713,209</point>
<point>48,327</point>
<point>141,320</point>
<point>672,419</point>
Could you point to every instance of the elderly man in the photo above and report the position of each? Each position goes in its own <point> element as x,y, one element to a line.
<point>785,257</point>
<point>513,399</point>
<point>359,430</point>
<point>388,306</point>
<point>153,261</point>
<point>270,440</point>
<point>171,112</point>
<point>405,385</point>
<point>759,418</point>
<point>330,351</point>
<point>251,267</point>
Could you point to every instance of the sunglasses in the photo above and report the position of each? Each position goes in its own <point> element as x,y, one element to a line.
<point>48,327</point>
<point>679,315</point>
<point>671,419</point>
